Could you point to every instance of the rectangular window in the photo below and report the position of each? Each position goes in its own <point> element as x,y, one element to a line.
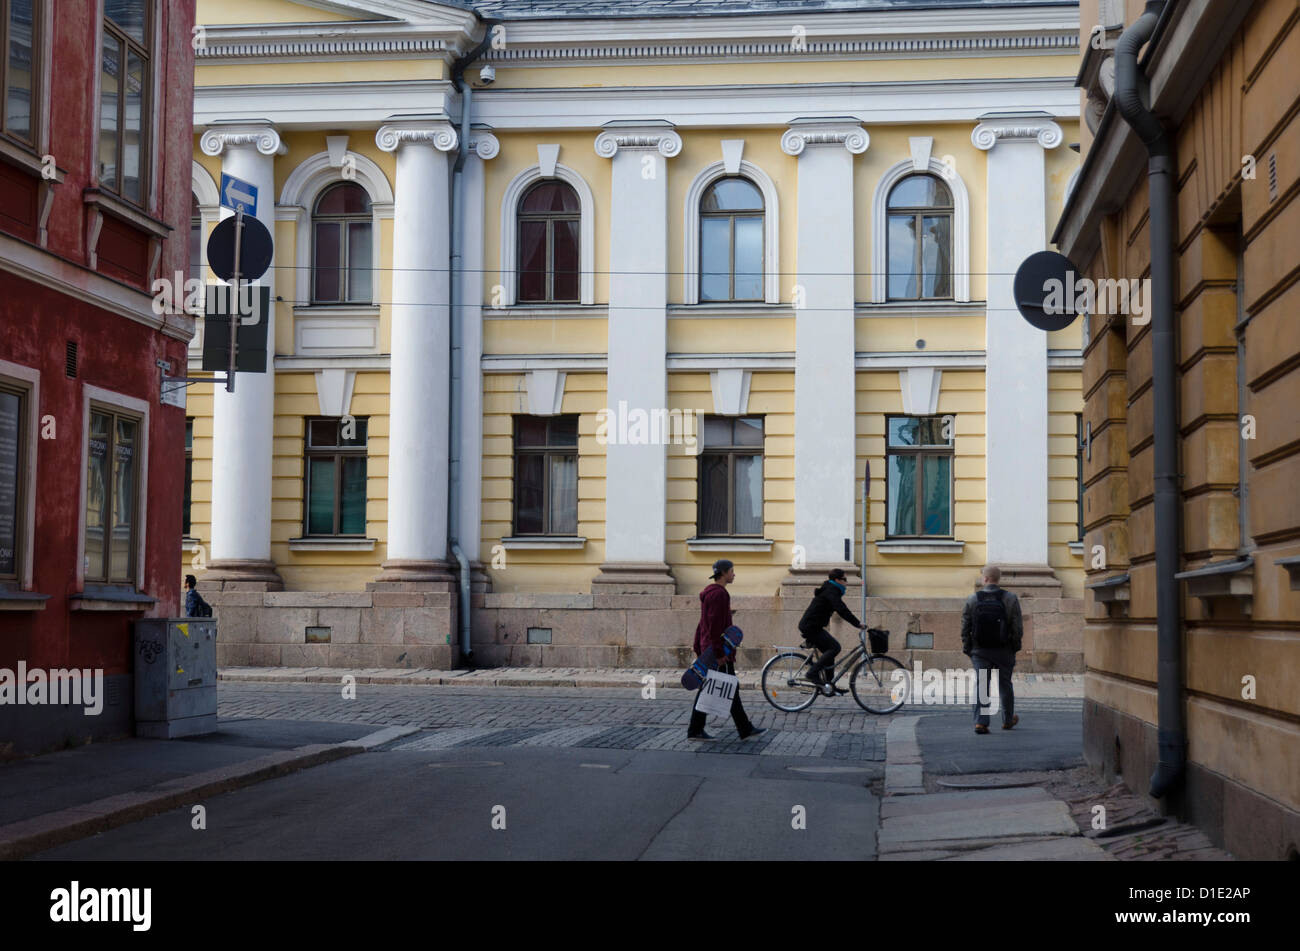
<point>335,468</point>
<point>918,476</point>
<point>1078,458</point>
<point>112,490</point>
<point>731,477</point>
<point>13,440</point>
<point>124,101</point>
<point>1245,542</point>
<point>546,475</point>
<point>19,64</point>
<point>189,474</point>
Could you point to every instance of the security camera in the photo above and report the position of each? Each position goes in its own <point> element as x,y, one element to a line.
<point>487,75</point>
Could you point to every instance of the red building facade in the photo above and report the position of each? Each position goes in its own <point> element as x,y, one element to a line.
<point>95,178</point>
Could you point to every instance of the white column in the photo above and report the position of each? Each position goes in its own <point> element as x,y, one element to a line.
<point>483,145</point>
<point>1016,450</point>
<point>242,422</point>
<point>824,392</point>
<point>637,376</point>
<point>418,423</point>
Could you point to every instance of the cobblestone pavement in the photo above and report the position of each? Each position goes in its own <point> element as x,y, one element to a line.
<point>605,718</point>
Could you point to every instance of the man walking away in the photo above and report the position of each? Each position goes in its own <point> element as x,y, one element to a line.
<point>991,632</point>
<point>828,600</point>
<point>715,618</point>
<point>195,606</point>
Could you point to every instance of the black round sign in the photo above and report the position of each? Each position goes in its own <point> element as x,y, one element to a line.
<point>1044,290</point>
<point>255,249</point>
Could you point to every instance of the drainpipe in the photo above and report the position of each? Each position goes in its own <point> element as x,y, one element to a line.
<point>1130,86</point>
<point>457,356</point>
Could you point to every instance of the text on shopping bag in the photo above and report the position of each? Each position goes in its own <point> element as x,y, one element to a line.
<point>717,693</point>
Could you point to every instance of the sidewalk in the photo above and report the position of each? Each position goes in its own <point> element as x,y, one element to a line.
<point>59,797</point>
<point>1027,686</point>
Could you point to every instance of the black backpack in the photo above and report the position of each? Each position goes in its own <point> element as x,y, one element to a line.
<point>991,621</point>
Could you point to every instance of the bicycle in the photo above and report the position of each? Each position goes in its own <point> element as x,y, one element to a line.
<point>879,683</point>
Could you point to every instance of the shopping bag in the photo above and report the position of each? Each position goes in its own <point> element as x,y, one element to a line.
<point>718,692</point>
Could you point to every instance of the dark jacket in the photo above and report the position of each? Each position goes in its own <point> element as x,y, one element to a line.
<point>195,606</point>
<point>1014,620</point>
<point>715,617</point>
<point>828,600</point>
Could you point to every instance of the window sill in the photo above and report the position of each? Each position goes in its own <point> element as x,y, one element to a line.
<point>545,542</point>
<point>729,544</point>
<point>337,310</point>
<point>938,546</point>
<point>98,597</point>
<point>13,600</point>
<point>27,159</point>
<point>1111,590</point>
<point>118,208</point>
<point>1233,579</point>
<point>190,544</point>
<point>1076,548</point>
<point>338,543</point>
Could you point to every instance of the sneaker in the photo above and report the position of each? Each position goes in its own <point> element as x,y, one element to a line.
<point>753,731</point>
<point>705,736</point>
<point>981,728</point>
<point>1014,720</point>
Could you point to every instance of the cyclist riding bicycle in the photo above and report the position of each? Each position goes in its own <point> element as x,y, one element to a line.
<point>828,600</point>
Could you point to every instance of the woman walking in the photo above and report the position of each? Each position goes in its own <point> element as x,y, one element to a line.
<point>715,617</point>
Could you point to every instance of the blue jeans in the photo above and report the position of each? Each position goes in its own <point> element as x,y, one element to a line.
<point>984,660</point>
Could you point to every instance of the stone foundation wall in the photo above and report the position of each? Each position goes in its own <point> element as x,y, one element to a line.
<point>413,628</point>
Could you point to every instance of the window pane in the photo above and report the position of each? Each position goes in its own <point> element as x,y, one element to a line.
<point>110,69</point>
<point>354,433</point>
<point>904,431</point>
<point>732,194</point>
<point>123,500</point>
<point>129,15</point>
<point>715,259</point>
<point>133,131</point>
<point>11,405</point>
<point>902,256</point>
<point>749,431</point>
<point>352,515</point>
<point>530,431</point>
<point>901,472</point>
<point>930,431</point>
<point>320,498</point>
<point>749,495</point>
<point>196,249</point>
<point>328,258</point>
<point>564,431</point>
<point>936,256</point>
<point>323,432</point>
<point>19,70</point>
<point>565,257</point>
<point>532,260</point>
<point>185,510</point>
<point>717,431</point>
<point>749,258</point>
<point>564,494</point>
<point>937,474</point>
<point>96,495</point>
<point>359,258</point>
<point>528,494</point>
<point>549,196</point>
<point>713,495</point>
<point>345,198</point>
<point>919,191</point>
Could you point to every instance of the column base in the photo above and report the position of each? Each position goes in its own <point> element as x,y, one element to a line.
<point>634,577</point>
<point>401,574</point>
<point>1029,581</point>
<point>238,574</point>
<point>802,583</point>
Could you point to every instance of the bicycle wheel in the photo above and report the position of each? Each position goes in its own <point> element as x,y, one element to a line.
<point>880,684</point>
<point>785,682</point>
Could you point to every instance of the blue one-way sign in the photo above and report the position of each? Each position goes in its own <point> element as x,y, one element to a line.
<point>238,195</point>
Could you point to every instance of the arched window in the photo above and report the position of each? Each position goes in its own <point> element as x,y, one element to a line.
<point>549,216</point>
<point>341,243</point>
<point>920,211</point>
<point>731,241</point>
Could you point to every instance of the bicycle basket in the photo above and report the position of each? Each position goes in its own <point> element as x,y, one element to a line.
<point>879,640</point>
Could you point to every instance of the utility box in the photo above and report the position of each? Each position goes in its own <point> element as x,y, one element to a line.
<point>175,677</point>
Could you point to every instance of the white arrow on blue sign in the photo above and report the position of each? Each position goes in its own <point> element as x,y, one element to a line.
<point>238,195</point>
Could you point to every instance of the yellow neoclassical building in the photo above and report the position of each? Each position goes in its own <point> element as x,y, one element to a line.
<point>574,298</point>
